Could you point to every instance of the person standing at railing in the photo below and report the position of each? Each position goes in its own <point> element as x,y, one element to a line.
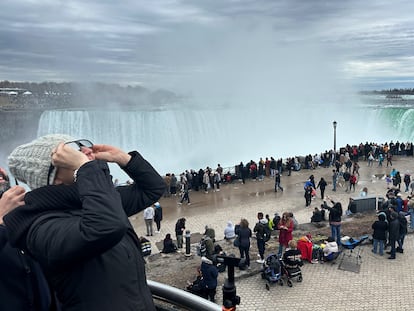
<point>75,223</point>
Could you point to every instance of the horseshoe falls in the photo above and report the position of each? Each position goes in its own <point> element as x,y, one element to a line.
<point>193,138</point>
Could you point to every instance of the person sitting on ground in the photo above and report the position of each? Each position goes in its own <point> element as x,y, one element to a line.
<point>169,246</point>
<point>364,192</point>
<point>352,207</point>
<point>218,251</point>
<point>316,216</point>
<point>209,280</point>
<point>330,250</point>
<point>305,246</point>
<point>229,231</point>
<point>292,257</point>
<point>209,240</point>
<point>210,232</point>
<point>195,287</point>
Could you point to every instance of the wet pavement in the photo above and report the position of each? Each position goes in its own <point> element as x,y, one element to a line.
<point>381,284</point>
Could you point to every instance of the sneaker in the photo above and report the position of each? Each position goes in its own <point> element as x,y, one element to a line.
<point>261,261</point>
<point>314,261</point>
<point>188,203</point>
<point>179,203</point>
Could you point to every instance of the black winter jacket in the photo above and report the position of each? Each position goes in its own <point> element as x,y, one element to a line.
<point>380,230</point>
<point>335,212</point>
<point>23,286</point>
<point>82,238</point>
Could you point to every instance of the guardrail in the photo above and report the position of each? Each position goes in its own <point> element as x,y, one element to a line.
<point>179,297</point>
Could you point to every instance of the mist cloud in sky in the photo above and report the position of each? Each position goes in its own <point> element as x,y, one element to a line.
<point>174,44</point>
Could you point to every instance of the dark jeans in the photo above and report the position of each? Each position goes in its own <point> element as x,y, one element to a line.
<point>392,243</point>
<point>244,253</point>
<point>185,197</point>
<point>261,247</point>
<point>158,222</point>
<point>210,294</point>
<point>336,233</point>
<point>401,241</point>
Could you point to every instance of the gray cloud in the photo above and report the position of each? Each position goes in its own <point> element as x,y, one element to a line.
<point>183,44</point>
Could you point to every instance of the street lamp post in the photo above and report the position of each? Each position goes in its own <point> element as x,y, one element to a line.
<point>334,126</point>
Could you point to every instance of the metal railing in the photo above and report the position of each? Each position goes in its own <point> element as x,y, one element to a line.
<point>178,297</point>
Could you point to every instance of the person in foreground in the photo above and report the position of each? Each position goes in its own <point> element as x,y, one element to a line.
<point>23,286</point>
<point>75,223</point>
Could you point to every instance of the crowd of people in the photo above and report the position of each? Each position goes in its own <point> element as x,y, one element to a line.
<point>345,175</point>
<point>74,225</point>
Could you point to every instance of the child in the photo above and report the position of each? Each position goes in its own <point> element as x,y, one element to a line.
<point>380,234</point>
<point>292,257</point>
<point>388,180</point>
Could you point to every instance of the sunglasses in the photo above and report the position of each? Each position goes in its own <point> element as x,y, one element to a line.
<point>77,145</point>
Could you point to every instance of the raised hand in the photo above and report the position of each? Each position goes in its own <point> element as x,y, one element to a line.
<point>11,199</point>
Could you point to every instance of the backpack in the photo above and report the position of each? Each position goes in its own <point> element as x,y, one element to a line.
<point>266,233</point>
<point>276,220</point>
<point>202,247</point>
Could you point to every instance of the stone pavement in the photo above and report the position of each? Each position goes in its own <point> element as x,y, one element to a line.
<point>381,284</point>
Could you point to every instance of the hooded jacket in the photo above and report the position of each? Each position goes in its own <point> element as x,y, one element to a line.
<point>229,231</point>
<point>209,272</point>
<point>82,238</point>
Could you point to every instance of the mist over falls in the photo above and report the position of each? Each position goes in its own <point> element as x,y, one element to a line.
<point>176,140</point>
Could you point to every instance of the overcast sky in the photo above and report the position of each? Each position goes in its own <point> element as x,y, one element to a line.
<point>180,45</point>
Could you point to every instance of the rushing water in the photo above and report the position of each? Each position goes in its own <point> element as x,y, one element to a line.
<point>175,140</point>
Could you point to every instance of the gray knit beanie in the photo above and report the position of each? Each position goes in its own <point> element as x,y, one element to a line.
<point>29,163</point>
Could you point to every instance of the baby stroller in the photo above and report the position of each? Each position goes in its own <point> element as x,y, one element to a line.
<point>272,271</point>
<point>290,273</point>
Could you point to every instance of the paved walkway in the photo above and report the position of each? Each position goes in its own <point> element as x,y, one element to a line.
<point>381,284</point>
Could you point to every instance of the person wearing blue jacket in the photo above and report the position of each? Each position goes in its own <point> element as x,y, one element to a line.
<point>209,282</point>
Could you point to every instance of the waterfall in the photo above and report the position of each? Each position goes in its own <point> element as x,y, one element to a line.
<point>176,140</point>
<point>171,140</point>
